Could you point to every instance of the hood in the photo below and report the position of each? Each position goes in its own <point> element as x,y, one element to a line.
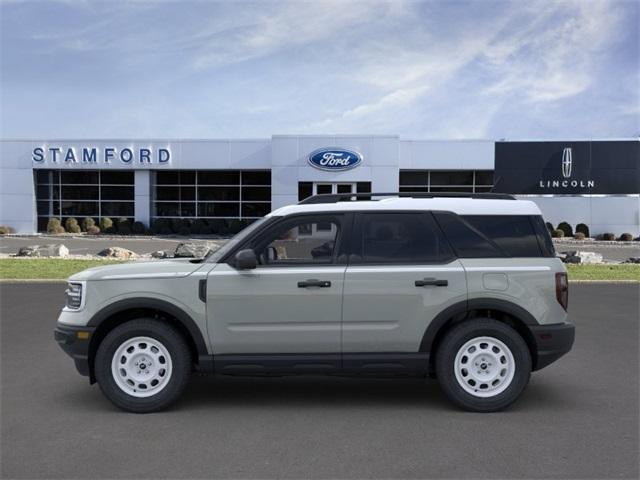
<point>173,268</point>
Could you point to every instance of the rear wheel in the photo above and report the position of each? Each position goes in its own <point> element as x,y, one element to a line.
<point>483,365</point>
<point>143,365</point>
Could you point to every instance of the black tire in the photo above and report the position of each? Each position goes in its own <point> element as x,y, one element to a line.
<point>456,338</point>
<point>177,348</point>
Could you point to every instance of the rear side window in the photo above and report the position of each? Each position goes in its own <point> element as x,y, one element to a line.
<point>514,234</point>
<point>544,238</point>
<point>467,241</point>
<point>399,238</point>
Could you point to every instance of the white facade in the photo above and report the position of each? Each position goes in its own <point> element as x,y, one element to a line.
<point>286,157</point>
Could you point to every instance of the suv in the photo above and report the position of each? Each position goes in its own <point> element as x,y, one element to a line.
<point>466,289</point>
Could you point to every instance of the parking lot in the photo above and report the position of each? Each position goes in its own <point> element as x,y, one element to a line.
<point>577,419</point>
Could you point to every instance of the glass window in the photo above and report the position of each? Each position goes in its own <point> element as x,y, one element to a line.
<point>484,177</point>
<point>168,178</point>
<point>117,193</point>
<point>255,209</point>
<point>219,177</point>
<point>452,189</point>
<point>80,192</point>
<point>167,209</point>
<point>168,193</point>
<point>80,209</point>
<point>414,178</point>
<point>43,208</point>
<point>187,193</point>
<point>305,190</point>
<point>117,209</point>
<point>512,233</point>
<point>256,178</point>
<point>453,177</point>
<point>117,178</point>
<point>218,209</point>
<point>219,193</point>
<point>86,177</point>
<point>402,238</point>
<point>466,241</point>
<point>301,242</point>
<point>261,194</point>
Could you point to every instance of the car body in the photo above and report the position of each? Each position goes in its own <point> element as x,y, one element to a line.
<point>392,285</point>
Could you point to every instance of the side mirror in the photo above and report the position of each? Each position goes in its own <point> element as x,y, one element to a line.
<point>246,259</point>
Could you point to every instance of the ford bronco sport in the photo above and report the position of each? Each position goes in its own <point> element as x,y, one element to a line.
<point>466,289</point>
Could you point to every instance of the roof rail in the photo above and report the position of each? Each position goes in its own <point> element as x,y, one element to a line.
<point>348,197</point>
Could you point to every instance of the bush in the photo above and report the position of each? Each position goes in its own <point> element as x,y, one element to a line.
<point>87,222</point>
<point>607,236</point>
<point>138,228</point>
<point>5,229</point>
<point>161,226</point>
<point>183,227</point>
<point>106,225</point>
<point>123,226</point>
<point>566,228</point>
<point>557,233</point>
<point>549,226</point>
<point>71,225</point>
<point>93,230</point>
<point>583,228</point>
<point>53,224</point>
<point>579,236</point>
<point>58,230</point>
<point>626,237</point>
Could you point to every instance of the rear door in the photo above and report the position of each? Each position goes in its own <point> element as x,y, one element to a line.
<point>401,274</point>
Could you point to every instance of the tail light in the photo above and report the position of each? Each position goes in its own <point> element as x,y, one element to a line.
<point>562,289</point>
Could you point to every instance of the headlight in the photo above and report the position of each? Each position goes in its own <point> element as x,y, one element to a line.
<point>74,293</point>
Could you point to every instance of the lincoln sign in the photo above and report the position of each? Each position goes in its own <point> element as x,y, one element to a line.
<point>571,168</point>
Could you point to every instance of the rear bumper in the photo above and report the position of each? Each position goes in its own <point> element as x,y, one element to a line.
<point>552,342</point>
<point>77,347</point>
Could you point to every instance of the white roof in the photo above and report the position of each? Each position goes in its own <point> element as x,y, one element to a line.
<point>461,206</point>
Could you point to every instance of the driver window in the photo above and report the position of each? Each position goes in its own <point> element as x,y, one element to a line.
<point>304,242</point>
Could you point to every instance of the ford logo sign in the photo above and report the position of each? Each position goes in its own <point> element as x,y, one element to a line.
<point>334,159</point>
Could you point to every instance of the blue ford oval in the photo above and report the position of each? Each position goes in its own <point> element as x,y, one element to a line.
<point>334,159</point>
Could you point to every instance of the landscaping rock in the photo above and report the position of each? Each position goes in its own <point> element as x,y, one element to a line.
<point>632,260</point>
<point>159,254</point>
<point>581,257</point>
<point>117,252</point>
<point>197,250</point>
<point>51,250</point>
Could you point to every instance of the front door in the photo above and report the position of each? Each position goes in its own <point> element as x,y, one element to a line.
<point>401,274</point>
<point>292,302</point>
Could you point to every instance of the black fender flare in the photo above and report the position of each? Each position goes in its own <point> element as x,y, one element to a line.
<point>461,309</point>
<point>155,304</point>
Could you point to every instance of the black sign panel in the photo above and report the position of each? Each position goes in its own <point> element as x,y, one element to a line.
<point>598,167</point>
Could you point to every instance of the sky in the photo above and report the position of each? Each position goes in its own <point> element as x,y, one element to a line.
<point>232,69</point>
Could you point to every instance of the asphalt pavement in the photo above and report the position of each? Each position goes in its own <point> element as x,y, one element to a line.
<point>577,419</point>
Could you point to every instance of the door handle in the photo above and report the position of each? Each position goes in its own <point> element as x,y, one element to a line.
<point>314,283</point>
<point>431,282</point>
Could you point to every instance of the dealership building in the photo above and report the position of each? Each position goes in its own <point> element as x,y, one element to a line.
<point>596,182</point>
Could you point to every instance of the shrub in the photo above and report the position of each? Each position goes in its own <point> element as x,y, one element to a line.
<point>106,225</point>
<point>566,228</point>
<point>5,229</point>
<point>123,226</point>
<point>53,224</point>
<point>557,233</point>
<point>579,236</point>
<point>583,228</point>
<point>626,237</point>
<point>161,226</point>
<point>138,228</point>
<point>87,222</point>
<point>59,229</point>
<point>71,225</point>
<point>93,230</point>
<point>607,236</point>
<point>549,226</point>
<point>184,227</point>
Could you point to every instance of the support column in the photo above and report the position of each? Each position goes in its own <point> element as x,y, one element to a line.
<point>142,195</point>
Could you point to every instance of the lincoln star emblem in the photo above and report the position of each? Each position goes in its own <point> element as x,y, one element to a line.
<point>566,162</point>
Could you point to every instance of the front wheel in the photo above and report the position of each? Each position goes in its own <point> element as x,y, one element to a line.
<point>143,365</point>
<point>483,365</point>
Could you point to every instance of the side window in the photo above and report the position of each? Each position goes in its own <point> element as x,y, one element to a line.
<point>544,238</point>
<point>302,241</point>
<point>467,241</point>
<point>401,238</point>
<point>512,233</point>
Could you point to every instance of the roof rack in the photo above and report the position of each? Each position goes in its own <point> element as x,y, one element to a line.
<point>348,197</point>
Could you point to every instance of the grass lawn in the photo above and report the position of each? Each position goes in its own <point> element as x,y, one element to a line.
<point>45,268</point>
<point>627,271</point>
<point>56,268</point>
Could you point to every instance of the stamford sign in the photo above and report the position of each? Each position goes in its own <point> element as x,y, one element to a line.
<point>95,155</point>
<point>334,159</point>
<point>598,167</point>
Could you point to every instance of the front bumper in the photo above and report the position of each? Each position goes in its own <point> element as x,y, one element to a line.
<point>552,342</point>
<point>75,342</point>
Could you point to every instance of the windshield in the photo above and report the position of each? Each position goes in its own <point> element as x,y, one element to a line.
<point>216,255</point>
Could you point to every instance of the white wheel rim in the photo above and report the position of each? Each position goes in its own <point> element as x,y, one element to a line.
<point>141,367</point>
<point>484,367</point>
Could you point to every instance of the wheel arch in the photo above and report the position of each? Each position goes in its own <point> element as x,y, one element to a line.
<point>122,311</point>
<point>502,310</point>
